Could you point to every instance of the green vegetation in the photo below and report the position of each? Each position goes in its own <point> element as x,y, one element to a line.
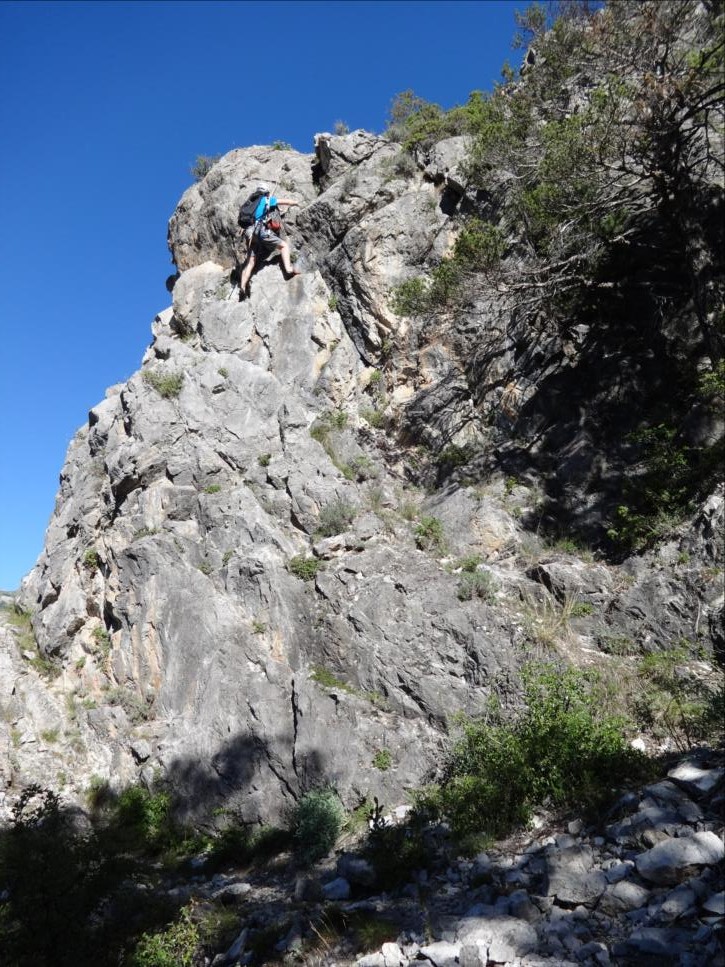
<point>203,165</point>
<point>281,146</point>
<point>138,709</point>
<point>429,534</point>
<point>564,749</point>
<point>332,303</point>
<point>477,584</point>
<point>670,703</point>
<point>303,567</point>
<point>175,946</point>
<point>91,560</point>
<point>661,492</point>
<point>317,822</point>
<point>213,488</point>
<point>167,385</point>
<point>264,459</point>
<point>383,759</point>
<point>21,621</point>
<point>335,518</point>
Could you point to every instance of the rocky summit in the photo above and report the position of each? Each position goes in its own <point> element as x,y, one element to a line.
<point>322,524</point>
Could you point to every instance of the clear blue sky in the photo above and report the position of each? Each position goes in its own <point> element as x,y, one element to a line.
<point>104,107</point>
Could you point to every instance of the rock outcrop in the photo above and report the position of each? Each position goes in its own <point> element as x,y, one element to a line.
<point>244,588</point>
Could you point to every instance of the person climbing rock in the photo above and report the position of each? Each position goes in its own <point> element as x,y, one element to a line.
<point>262,235</point>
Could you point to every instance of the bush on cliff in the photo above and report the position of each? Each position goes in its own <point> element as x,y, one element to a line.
<point>564,749</point>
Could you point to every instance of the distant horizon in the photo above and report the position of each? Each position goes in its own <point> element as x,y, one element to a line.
<point>107,107</point>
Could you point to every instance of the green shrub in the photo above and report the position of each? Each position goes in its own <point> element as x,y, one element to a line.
<point>317,822</point>
<point>396,851</point>
<point>375,417</point>
<point>264,459</point>
<point>335,518</point>
<point>429,534</point>
<point>383,759</point>
<point>303,567</point>
<point>410,298</point>
<point>281,146</point>
<point>166,385</point>
<point>212,488</point>
<point>91,560</point>
<point>174,947</point>
<point>203,165</point>
<point>477,584</point>
<point>563,749</point>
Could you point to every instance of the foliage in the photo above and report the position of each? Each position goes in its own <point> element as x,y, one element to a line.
<point>396,851</point>
<point>477,584</point>
<point>340,128</point>
<point>587,178</point>
<point>317,821</point>
<point>660,494</point>
<point>303,567</point>
<point>173,947</point>
<point>670,703</point>
<point>335,518</point>
<point>203,165</point>
<point>167,385</point>
<point>429,534</point>
<point>563,749</point>
<point>91,560</point>
<point>383,759</point>
<point>54,877</point>
<point>212,488</point>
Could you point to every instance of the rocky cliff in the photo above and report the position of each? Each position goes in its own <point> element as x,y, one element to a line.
<point>299,536</point>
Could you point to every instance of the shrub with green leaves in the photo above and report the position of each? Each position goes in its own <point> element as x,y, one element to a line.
<point>429,534</point>
<point>167,385</point>
<point>317,822</point>
<point>335,518</point>
<point>477,584</point>
<point>174,947</point>
<point>203,165</point>
<point>563,749</point>
<point>303,567</point>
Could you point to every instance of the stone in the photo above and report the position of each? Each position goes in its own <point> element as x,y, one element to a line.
<point>715,904</point>
<point>673,860</point>
<point>355,869</point>
<point>693,777</point>
<point>441,953</point>
<point>572,877</point>
<point>623,897</point>
<point>505,937</point>
<point>337,889</point>
<point>393,956</point>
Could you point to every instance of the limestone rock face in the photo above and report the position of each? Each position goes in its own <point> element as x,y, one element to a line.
<point>242,589</point>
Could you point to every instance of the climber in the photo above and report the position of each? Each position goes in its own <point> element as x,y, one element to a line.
<point>262,236</point>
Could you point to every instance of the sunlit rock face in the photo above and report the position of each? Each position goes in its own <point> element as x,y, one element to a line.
<point>243,589</point>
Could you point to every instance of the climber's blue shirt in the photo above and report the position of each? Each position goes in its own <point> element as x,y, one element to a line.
<point>263,207</point>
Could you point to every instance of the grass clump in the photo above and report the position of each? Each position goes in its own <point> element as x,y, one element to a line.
<point>477,584</point>
<point>564,749</point>
<point>203,165</point>
<point>429,534</point>
<point>176,946</point>
<point>335,518</point>
<point>383,760</point>
<point>303,567</point>
<point>317,822</point>
<point>167,385</point>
